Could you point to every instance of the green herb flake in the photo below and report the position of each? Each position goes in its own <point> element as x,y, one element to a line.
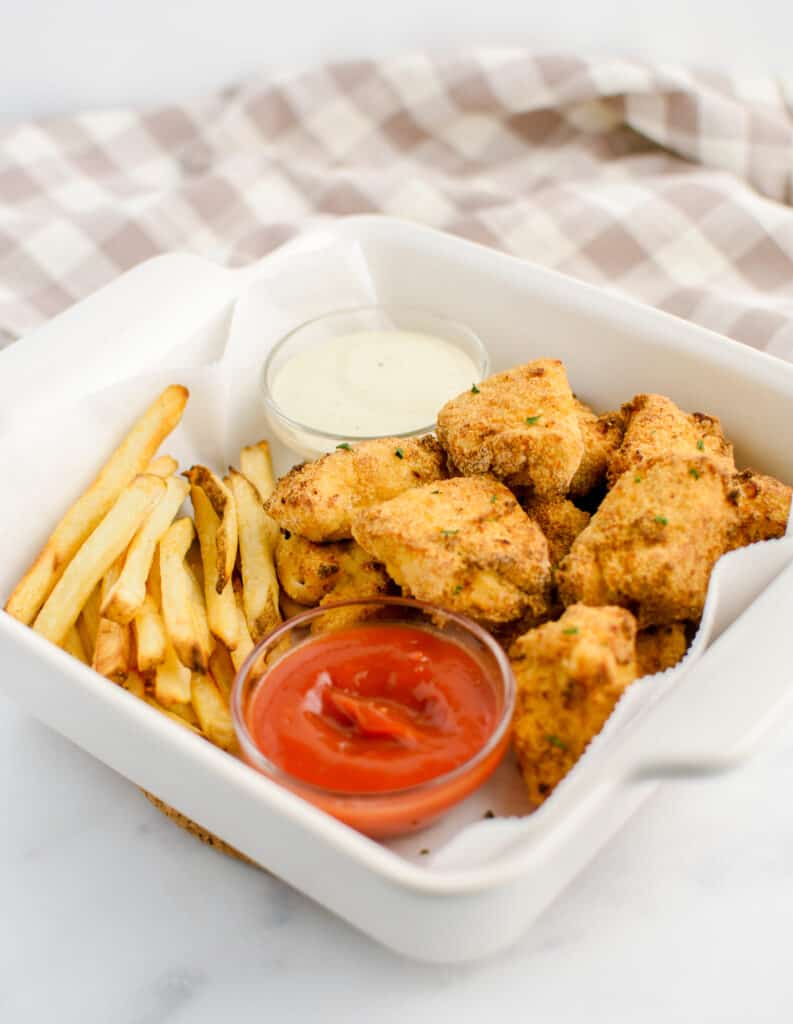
<point>695,473</point>
<point>494,499</point>
<point>345,445</point>
<point>572,631</point>
<point>701,445</point>
<point>662,520</point>
<point>449,533</point>
<point>399,453</point>
<point>435,492</point>
<point>531,420</point>
<point>637,479</point>
<point>474,389</point>
<point>556,742</point>
<point>458,588</point>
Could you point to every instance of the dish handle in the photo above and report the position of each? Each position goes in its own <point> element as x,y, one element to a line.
<point>715,717</point>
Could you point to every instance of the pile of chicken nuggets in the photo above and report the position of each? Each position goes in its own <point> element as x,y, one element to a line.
<point>584,542</point>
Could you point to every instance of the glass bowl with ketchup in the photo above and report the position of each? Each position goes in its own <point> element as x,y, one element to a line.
<point>384,712</point>
<point>373,371</point>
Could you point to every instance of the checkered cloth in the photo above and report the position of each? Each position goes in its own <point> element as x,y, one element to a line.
<point>666,185</point>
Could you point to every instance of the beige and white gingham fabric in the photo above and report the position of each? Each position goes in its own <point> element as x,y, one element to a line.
<point>671,186</point>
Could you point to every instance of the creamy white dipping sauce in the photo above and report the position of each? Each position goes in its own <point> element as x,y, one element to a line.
<point>372,383</point>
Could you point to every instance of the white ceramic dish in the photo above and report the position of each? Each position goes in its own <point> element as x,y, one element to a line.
<point>176,311</point>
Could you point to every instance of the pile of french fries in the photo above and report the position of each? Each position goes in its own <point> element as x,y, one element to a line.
<point>165,605</point>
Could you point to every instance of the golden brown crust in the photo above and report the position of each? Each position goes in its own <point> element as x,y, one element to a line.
<point>656,426</point>
<point>602,436</point>
<point>312,573</point>
<point>463,543</point>
<point>653,542</point>
<point>318,499</point>
<point>520,425</point>
<point>660,647</point>
<point>561,522</point>
<point>200,833</point>
<point>569,676</point>
<point>763,505</point>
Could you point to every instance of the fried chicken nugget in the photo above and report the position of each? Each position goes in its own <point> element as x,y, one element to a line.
<point>656,426</point>
<point>318,499</point>
<point>463,543</point>
<point>660,647</point>
<point>561,522</point>
<point>569,676</point>
<point>652,543</point>
<point>763,505</point>
<point>312,573</point>
<point>520,425</point>
<point>602,436</point>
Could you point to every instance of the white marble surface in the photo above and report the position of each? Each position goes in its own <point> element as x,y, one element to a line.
<point>112,915</point>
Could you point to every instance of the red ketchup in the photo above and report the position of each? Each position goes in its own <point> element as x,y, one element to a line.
<point>375,710</point>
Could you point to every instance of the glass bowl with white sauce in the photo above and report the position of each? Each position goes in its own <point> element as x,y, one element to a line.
<point>374,371</point>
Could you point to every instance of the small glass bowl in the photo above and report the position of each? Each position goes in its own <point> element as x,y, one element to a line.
<point>395,812</point>
<point>308,439</point>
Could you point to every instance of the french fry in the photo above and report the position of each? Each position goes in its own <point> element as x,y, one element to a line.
<point>153,582</point>
<point>221,668</point>
<point>171,679</point>
<point>185,712</point>
<point>73,644</point>
<point>88,622</point>
<point>129,592</point>
<point>149,635</point>
<point>212,712</point>
<point>195,563</point>
<point>100,550</point>
<point>182,600</point>
<point>163,465</point>
<point>258,535</point>
<point>174,716</point>
<point>257,464</point>
<point>112,653</point>
<point>221,606</point>
<point>70,535</point>
<point>197,594</point>
<point>222,502</point>
<point>113,649</point>
<point>135,684</point>
<point>245,640</point>
<point>180,714</point>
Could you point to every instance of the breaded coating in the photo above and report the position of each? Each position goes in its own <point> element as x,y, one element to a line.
<point>653,541</point>
<point>569,676</point>
<point>318,499</point>
<point>465,544</point>
<point>656,426</point>
<point>560,521</point>
<point>660,647</point>
<point>310,573</point>
<point>763,505</point>
<point>602,436</point>
<point>520,425</point>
